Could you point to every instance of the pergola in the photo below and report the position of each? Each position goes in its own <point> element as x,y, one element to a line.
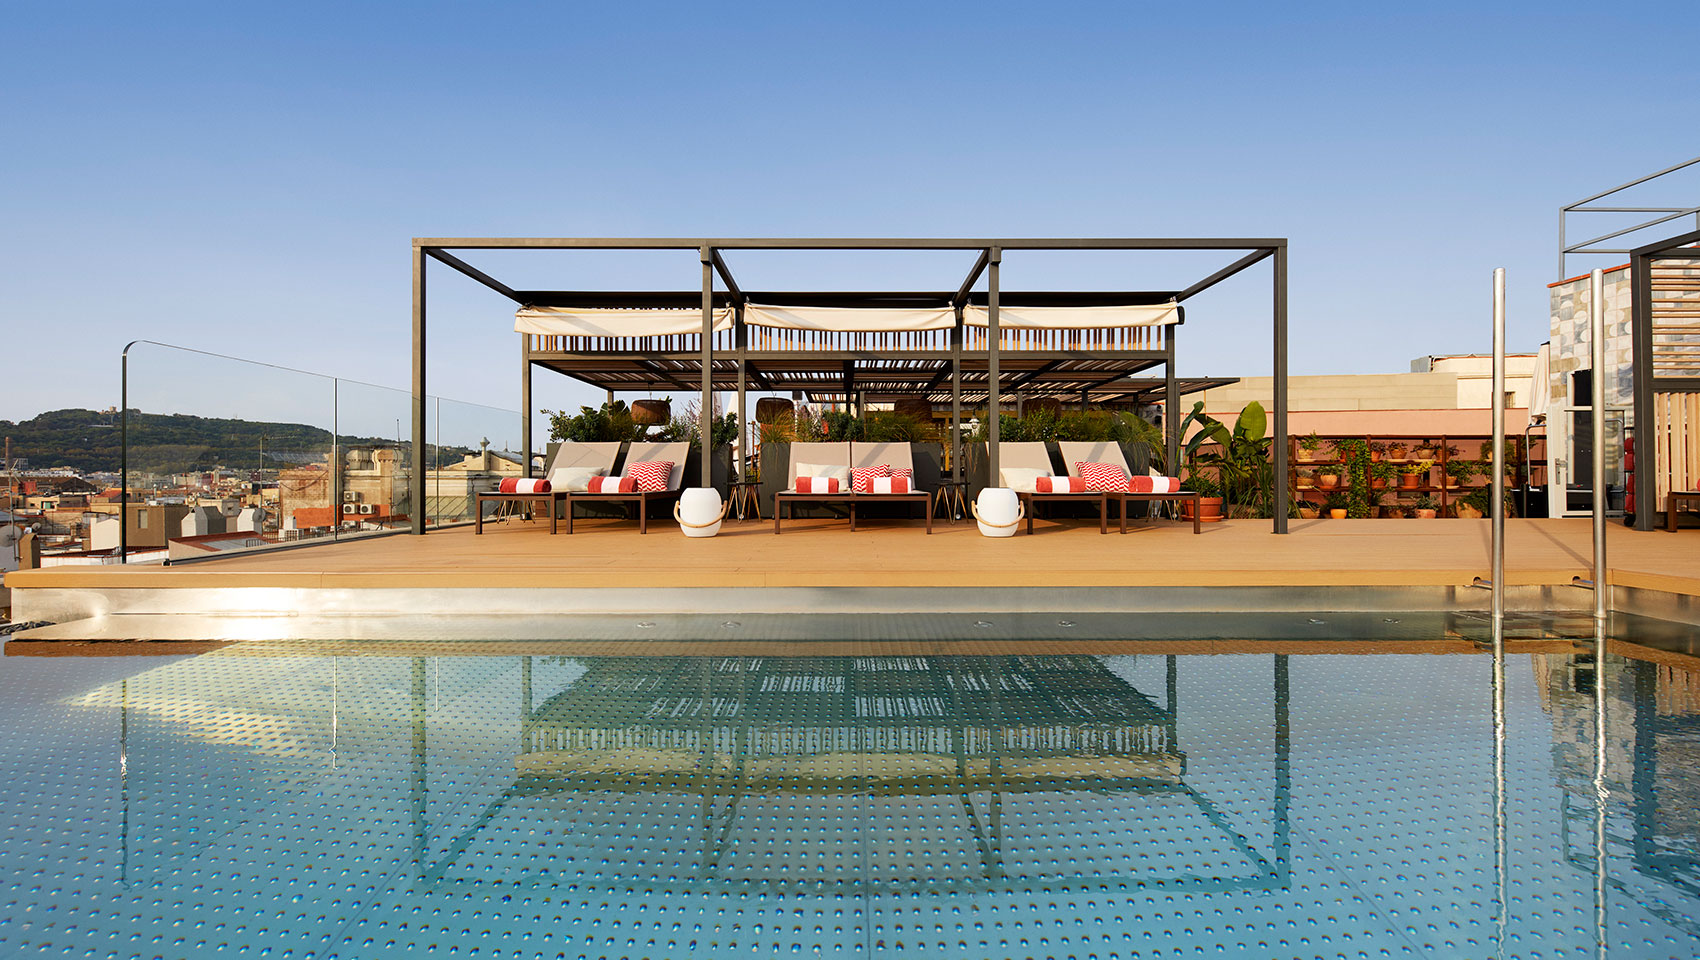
<point>954,345</point>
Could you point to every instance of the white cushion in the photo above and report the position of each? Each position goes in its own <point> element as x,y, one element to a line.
<point>574,479</point>
<point>1020,479</point>
<point>821,470</point>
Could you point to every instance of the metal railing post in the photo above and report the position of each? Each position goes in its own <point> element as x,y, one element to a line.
<point>1498,462</point>
<point>1597,415</point>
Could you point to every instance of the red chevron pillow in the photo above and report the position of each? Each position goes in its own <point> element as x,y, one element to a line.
<point>1102,476</point>
<point>612,485</point>
<point>862,478</point>
<point>650,475</point>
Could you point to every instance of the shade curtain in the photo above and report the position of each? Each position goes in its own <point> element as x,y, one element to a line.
<point>600,322</point>
<point>851,319</point>
<point>1077,318</point>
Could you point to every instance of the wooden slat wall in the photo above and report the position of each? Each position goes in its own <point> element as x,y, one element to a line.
<point>806,341</point>
<point>1676,440</point>
<point>1676,319</point>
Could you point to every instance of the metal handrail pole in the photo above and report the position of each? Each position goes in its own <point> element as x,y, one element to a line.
<point>1499,464</point>
<point>1597,416</point>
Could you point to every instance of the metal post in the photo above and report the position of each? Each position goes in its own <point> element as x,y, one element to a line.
<point>416,483</point>
<point>1498,451</point>
<point>1501,865</point>
<point>706,414</point>
<point>740,339</point>
<point>1641,368</point>
<point>525,401</point>
<point>1597,416</point>
<point>956,398</point>
<point>994,260</point>
<point>1602,792</point>
<point>1171,404</point>
<point>336,463</point>
<point>123,454</point>
<point>1279,507</point>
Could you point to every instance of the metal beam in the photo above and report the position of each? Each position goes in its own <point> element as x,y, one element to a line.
<point>1641,386</point>
<point>416,483</point>
<point>962,292</point>
<point>1023,378</point>
<point>524,401</point>
<point>706,413</point>
<point>956,398</point>
<point>726,278</point>
<point>847,243</point>
<point>473,272</point>
<point>1224,273</point>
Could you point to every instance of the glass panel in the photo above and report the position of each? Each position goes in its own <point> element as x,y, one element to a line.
<point>472,448</point>
<point>1579,487</point>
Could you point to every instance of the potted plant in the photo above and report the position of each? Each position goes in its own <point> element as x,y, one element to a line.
<point>1424,508</point>
<point>1335,505</point>
<point>1308,447</point>
<point>1209,497</point>
<point>1475,504</point>
<point>1380,473</point>
<point>1460,472</point>
<point>1411,475</point>
<point>1396,450</point>
<point>1424,451</point>
<point>1328,478</point>
<point>1305,478</point>
<point>1377,450</point>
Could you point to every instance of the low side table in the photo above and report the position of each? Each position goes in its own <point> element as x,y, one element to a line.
<point>1673,505</point>
<point>746,494</point>
<point>952,497</point>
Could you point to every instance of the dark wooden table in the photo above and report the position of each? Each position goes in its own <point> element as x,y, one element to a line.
<point>1673,505</point>
<point>1029,499</point>
<point>1197,525</point>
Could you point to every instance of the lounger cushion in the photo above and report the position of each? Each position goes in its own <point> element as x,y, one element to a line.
<point>575,479</point>
<point>862,478</point>
<point>523,485</point>
<point>1049,484</point>
<point>817,485</point>
<point>611,485</point>
<point>1020,479</point>
<point>836,471</point>
<point>1109,477</point>
<point>889,485</point>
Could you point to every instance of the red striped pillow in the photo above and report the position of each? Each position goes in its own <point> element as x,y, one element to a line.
<point>1153,485</point>
<point>523,485</point>
<point>817,485</point>
<point>862,478</point>
<point>890,485</point>
<point>612,485</point>
<point>1108,477</point>
<point>651,475</point>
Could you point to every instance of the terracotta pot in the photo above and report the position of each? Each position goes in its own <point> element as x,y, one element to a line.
<point>774,409</point>
<point>649,413</point>
<point>1337,514</point>
<point>1378,484</point>
<point>1209,509</point>
<point>1396,451</point>
<point>1327,481</point>
<point>1409,481</point>
<point>1309,513</point>
<point>1307,483</point>
<point>1376,455</point>
<point>1424,514</point>
<point>1467,512</point>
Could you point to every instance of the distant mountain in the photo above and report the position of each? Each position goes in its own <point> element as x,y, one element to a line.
<point>89,440</point>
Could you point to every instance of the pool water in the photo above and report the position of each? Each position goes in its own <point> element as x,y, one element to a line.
<point>1113,805</point>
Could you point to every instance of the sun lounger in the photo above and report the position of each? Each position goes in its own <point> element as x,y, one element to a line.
<point>837,459</point>
<point>1074,452</point>
<point>569,466</point>
<point>1020,463</point>
<point>637,452</point>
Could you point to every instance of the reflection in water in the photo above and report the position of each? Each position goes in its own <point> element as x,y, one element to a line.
<point>1031,805</point>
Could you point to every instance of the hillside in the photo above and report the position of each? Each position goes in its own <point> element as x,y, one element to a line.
<point>88,440</point>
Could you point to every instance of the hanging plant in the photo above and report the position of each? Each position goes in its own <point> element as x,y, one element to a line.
<point>1355,453</point>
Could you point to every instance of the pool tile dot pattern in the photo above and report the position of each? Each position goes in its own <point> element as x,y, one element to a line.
<point>1132,806</point>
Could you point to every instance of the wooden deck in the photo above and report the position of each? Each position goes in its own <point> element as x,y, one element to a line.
<point>1318,553</point>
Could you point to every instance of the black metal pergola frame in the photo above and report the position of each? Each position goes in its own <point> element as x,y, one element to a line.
<point>1644,373</point>
<point>987,265</point>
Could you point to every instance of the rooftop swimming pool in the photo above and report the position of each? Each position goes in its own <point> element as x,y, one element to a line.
<point>1273,802</point>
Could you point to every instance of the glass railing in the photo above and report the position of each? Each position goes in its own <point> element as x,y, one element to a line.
<point>220,454</point>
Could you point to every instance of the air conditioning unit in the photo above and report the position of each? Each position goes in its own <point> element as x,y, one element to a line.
<point>348,508</point>
<point>349,496</point>
<point>368,508</point>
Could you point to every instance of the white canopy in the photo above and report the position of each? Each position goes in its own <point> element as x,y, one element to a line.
<point>1077,318</point>
<point>856,319</point>
<point>599,322</point>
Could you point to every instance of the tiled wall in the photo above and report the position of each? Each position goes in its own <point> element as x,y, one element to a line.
<point>1570,350</point>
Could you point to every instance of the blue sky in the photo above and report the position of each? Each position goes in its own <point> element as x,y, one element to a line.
<point>246,178</point>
